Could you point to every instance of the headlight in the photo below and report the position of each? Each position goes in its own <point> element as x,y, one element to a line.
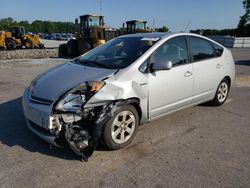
<point>75,99</point>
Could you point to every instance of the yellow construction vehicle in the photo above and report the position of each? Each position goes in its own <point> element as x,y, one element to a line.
<point>137,26</point>
<point>90,34</point>
<point>18,38</point>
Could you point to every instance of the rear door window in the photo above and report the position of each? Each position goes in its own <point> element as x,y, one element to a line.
<point>201,49</point>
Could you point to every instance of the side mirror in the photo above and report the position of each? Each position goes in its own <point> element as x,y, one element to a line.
<point>167,65</point>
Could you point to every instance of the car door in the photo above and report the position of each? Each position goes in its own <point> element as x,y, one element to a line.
<point>171,89</point>
<point>207,69</point>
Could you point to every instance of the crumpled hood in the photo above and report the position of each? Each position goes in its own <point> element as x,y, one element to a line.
<point>56,81</point>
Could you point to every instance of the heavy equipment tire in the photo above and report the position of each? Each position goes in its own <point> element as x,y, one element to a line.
<point>10,44</point>
<point>29,44</point>
<point>62,51</point>
<point>85,47</point>
<point>72,48</point>
<point>121,129</point>
<point>41,46</point>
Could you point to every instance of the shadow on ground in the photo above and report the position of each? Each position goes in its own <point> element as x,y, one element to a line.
<point>13,131</point>
<point>243,62</point>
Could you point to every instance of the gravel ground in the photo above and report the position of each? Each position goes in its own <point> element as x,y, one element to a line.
<point>28,54</point>
<point>52,43</point>
<point>197,147</point>
<point>51,51</point>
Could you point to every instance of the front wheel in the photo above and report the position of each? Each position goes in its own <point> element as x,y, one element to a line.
<point>10,44</point>
<point>29,44</point>
<point>221,93</point>
<point>72,48</point>
<point>121,128</point>
<point>62,51</point>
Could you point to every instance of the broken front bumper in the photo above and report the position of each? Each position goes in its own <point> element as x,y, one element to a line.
<point>81,131</point>
<point>37,118</point>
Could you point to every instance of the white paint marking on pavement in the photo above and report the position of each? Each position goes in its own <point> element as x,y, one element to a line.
<point>228,101</point>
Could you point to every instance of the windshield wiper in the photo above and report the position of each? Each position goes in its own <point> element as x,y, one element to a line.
<point>89,62</point>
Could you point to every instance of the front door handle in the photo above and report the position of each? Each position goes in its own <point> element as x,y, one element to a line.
<point>188,73</point>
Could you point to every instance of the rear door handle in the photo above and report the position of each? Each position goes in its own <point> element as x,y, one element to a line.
<point>218,66</point>
<point>188,73</point>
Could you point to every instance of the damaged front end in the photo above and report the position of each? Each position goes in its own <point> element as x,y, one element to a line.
<point>80,127</point>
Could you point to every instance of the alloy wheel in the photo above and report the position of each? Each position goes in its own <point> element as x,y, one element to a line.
<point>123,127</point>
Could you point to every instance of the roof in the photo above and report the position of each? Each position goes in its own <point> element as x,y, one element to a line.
<point>150,35</point>
<point>163,35</point>
<point>92,15</point>
<point>142,21</point>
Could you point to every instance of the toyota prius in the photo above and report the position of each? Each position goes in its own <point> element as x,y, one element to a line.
<point>104,94</point>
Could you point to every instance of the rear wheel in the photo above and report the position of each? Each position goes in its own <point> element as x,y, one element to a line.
<point>10,44</point>
<point>221,93</point>
<point>29,44</point>
<point>121,128</point>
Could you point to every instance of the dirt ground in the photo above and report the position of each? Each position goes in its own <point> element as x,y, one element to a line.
<point>197,147</point>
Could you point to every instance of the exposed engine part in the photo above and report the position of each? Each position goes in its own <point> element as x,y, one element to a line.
<point>58,120</point>
<point>71,118</point>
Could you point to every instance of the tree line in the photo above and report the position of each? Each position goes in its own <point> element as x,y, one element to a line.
<point>38,26</point>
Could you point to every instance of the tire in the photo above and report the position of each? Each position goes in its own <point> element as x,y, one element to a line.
<point>41,46</point>
<point>10,44</point>
<point>85,47</point>
<point>72,48</point>
<point>62,51</point>
<point>28,43</point>
<point>221,93</point>
<point>116,127</point>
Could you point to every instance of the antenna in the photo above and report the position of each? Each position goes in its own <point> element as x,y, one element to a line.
<point>100,6</point>
<point>189,23</point>
<point>153,24</point>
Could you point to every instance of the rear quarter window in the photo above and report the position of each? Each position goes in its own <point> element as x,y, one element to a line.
<point>218,50</point>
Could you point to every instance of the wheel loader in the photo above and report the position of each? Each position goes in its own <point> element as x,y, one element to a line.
<point>137,26</point>
<point>90,34</point>
<point>18,38</point>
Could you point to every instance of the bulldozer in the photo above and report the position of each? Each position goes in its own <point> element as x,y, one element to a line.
<point>90,34</point>
<point>18,38</point>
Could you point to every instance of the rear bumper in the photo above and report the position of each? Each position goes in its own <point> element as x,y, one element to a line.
<point>37,118</point>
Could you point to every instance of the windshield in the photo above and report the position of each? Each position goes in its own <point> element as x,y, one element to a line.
<point>117,53</point>
<point>139,26</point>
<point>94,22</point>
